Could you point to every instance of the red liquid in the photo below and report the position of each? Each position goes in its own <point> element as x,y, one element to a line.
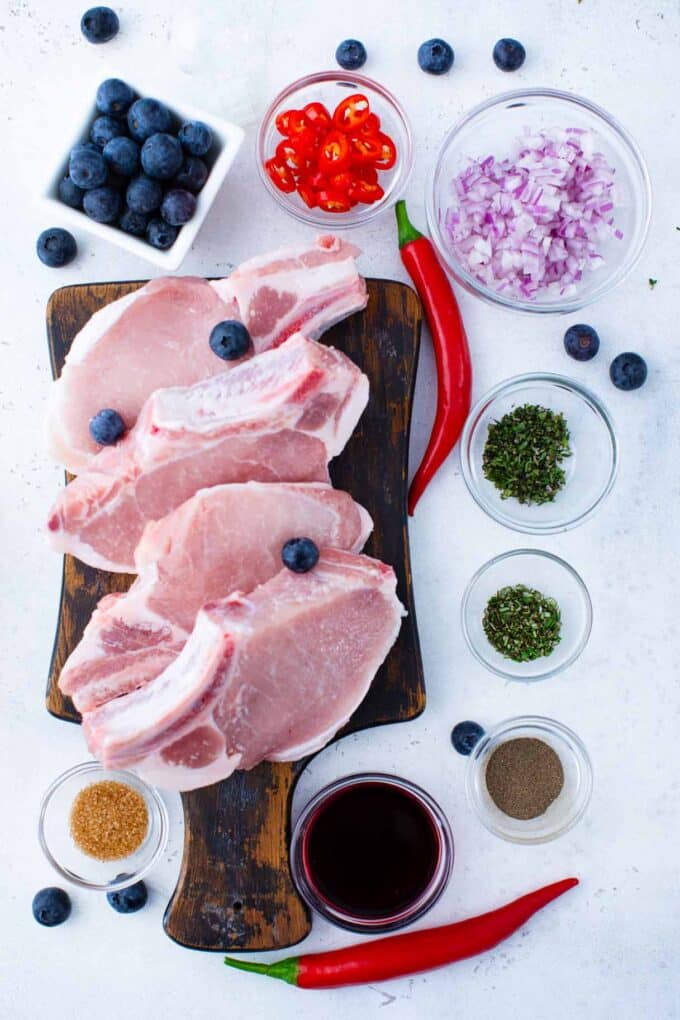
<point>371,850</point>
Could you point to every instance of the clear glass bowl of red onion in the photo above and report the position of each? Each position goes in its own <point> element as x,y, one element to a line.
<point>539,201</point>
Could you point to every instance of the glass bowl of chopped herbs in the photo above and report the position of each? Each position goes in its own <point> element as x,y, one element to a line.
<point>539,453</point>
<point>526,615</point>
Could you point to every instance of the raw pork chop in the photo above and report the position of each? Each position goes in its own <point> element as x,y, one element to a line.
<point>158,336</point>
<point>224,539</point>
<point>278,417</point>
<point>271,675</point>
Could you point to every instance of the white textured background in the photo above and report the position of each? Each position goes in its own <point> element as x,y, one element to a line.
<point>611,947</point>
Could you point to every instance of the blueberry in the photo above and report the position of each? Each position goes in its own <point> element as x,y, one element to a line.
<point>134,223</point>
<point>509,55</point>
<point>161,234</point>
<point>628,371</point>
<point>162,156</point>
<point>465,735</point>
<point>99,24</point>
<point>129,900</point>
<point>435,56</point>
<point>56,247</point>
<point>87,168</point>
<point>351,54</point>
<point>51,906</point>
<point>114,97</point>
<point>195,136</point>
<point>178,206</point>
<point>104,129</point>
<point>106,427</point>
<point>122,156</point>
<point>581,342</point>
<point>102,204</point>
<point>192,175</point>
<point>70,193</point>
<point>147,117</point>
<point>143,194</point>
<point>300,555</point>
<point>230,340</point>
<point>86,146</point>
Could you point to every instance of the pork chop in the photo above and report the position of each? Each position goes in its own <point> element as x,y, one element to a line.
<point>280,416</point>
<point>158,336</point>
<point>223,539</point>
<point>268,676</point>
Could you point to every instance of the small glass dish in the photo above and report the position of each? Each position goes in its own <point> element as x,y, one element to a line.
<point>553,578</point>
<point>564,812</point>
<point>590,470</point>
<point>330,88</point>
<point>316,900</point>
<point>55,838</point>
<point>492,128</point>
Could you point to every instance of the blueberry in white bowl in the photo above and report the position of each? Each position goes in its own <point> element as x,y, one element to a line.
<point>162,156</point>
<point>122,156</point>
<point>178,206</point>
<point>70,193</point>
<point>144,195</point>
<point>102,204</point>
<point>87,167</point>
<point>196,137</point>
<point>160,234</point>
<point>134,223</point>
<point>114,97</point>
<point>192,175</point>
<point>148,117</point>
<point>104,129</point>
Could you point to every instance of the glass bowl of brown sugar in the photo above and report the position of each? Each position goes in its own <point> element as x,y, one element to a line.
<point>102,828</point>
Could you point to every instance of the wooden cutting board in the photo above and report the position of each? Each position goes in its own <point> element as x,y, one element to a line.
<point>235,890</point>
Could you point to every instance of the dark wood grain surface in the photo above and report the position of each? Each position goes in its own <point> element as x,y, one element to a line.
<point>235,890</point>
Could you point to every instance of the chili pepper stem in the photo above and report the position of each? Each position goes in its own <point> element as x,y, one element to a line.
<point>405,229</point>
<point>286,969</point>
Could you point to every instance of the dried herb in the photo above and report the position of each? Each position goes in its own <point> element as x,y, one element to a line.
<point>652,283</point>
<point>522,623</point>
<point>524,776</point>
<point>523,452</point>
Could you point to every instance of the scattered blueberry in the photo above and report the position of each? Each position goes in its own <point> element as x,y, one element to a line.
<point>51,906</point>
<point>195,136</point>
<point>230,340</point>
<point>70,193</point>
<point>351,54</point>
<point>300,555</point>
<point>104,129</point>
<point>56,247</point>
<point>106,427</point>
<point>134,223</point>
<point>129,900</point>
<point>161,234</point>
<point>435,56</point>
<point>122,156</point>
<point>144,194</point>
<point>581,342</point>
<point>99,24</point>
<point>465,735</point>
<point>628,371</point>
<point>192,175</point>
<point>102,204</point>
<point>162,156</point>
<point>178,206</point>
<point>509,55</point>
<point>87,167</point>
<point>148,117</point>
<point>114,97</point>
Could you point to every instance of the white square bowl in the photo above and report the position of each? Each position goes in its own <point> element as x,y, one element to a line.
<point>227,139</point>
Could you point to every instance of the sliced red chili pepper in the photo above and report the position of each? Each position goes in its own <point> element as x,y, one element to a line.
<point>282,122</point>
<point>291,123</point>
<point>334,152</point>
<point>352,112</point>
<point>307,193</point>
<point>317,116</point>
<point>280,175</point>
<point>288,153</point>
<point>364,150</point>
<point>366,192</point>
<point>333,201</point>
<point>371,125</point>
<point>366,173</point>
<point>317,180</point>
<point>388,153</point>
<point>342,182</point>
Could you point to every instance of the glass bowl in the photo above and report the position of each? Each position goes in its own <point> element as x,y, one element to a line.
<point>315,898</point>
<point>590,470</point>
<point>74,865</point>
<point>549,575</point>
<point>492,129</point>
<point>564,812</point>
<point>330,87</point>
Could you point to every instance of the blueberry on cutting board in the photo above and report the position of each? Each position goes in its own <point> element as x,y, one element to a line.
<point>51,906</point>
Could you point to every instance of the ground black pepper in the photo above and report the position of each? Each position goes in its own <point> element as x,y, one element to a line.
<point>524,776</point>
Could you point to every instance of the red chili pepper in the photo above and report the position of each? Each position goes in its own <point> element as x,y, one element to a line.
<point>318,116</point>
<point>365,191</point>
<point>371,125</point>
<point>333,201</point>
<point>280,175</point>
<point>352,112</point>
<point>365,149</point>
<point>388,153</point>
<point>452,355</point>
<point>334,152</point>
<point>411,952</point>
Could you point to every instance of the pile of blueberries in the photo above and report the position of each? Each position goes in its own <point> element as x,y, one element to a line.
<point>139,170</point>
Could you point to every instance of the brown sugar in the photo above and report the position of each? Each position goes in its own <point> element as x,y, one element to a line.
<point>109,820</point>
<point>524,776</point>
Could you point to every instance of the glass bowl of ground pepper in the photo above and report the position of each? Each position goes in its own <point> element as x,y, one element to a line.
<point>526,615</point>
<point>102,828</point>
<point>529,779</point>
<point>539,453</point>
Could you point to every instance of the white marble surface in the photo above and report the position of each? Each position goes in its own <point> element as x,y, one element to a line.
<point>611,948</point>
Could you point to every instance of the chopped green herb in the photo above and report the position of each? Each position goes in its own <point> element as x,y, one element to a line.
<point>522,623</point>
<point>652,283</point>
<point>523,452</point>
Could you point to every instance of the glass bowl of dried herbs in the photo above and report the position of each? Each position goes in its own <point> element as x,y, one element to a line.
<point>539,453</point>
<point>526,615</point>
